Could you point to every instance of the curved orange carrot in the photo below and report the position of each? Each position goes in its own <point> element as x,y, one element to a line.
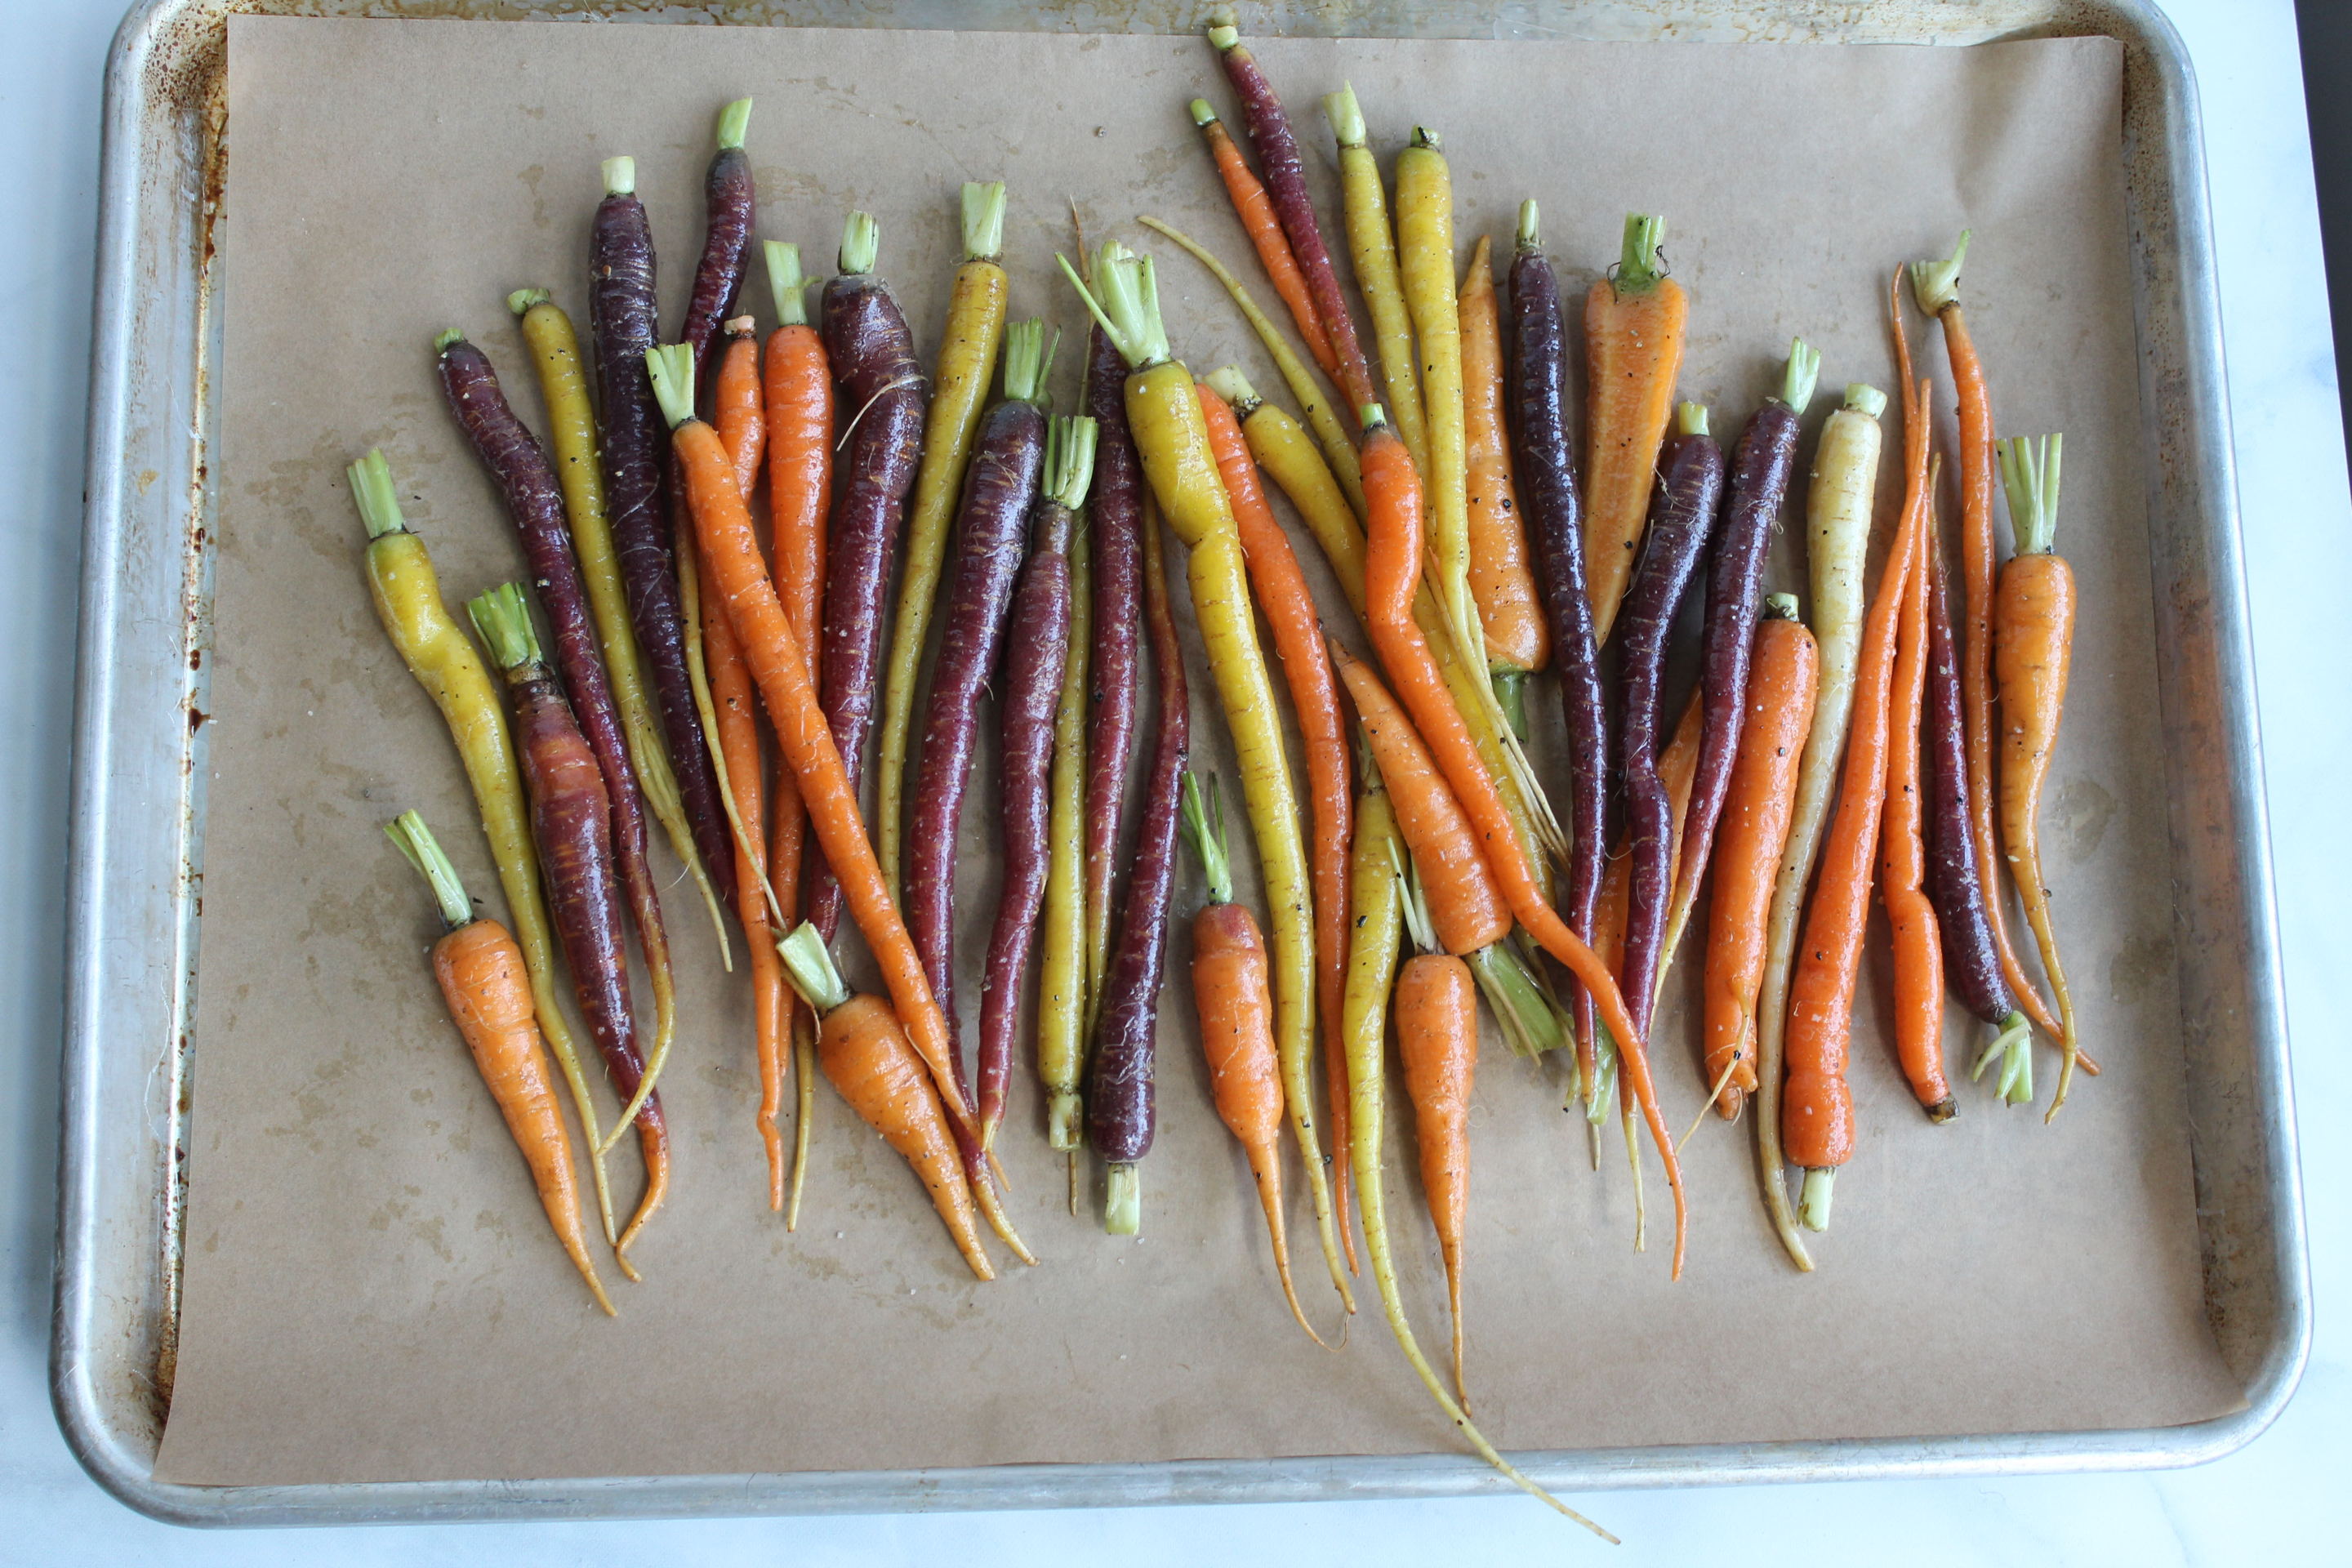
<point>1235,1003</point>
<point>741,418</point>
<point>731,553</point>
<point>1817,1104</point>
<point>1289,608</point>
<point>1903,851</point>
<point>1633,323</point>
<point>798,394</point>
<point>1935,286</point>
<point>1391,574</point>
<point>867,1058</point>
<point>2032,637</point>
<point>1255,209</point>
<point>1437,1043</point>
<point>1502,580</point>
<point>1754,830</point>
<point>484,980</point>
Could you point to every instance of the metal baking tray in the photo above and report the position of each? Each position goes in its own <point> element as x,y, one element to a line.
<point>140,749</point>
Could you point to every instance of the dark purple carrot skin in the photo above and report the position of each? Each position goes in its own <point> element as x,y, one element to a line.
<point>1682,515</point>
<point>883,389</point>
<point>1761,468</point>
<point>1971,960</point>
<point>1000,490</point>
<point>731,207</point>
<point>1119,1070</point>
<point>535,501</point>
<point>1038,647</point>
<point>623,319</point>
<point>1285,172</point>
<point>570,822</point>
<point>1546,474</point>
<point>1115,675</point>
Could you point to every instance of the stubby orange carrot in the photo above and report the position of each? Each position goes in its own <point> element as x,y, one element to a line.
<point>867,1058</point>
<point>1437,1042</point>
<point>1633,323</point>
<point>483,980</point>
<point>1236,1011</point>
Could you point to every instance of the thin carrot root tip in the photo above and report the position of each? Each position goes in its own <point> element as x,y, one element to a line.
<point>1123,1198</point>
<point>1814,1199</point>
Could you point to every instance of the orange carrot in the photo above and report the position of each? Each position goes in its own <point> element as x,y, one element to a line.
<point>1903,850</point>
<point>488,988</point>
<point>1633,322</point>
<point>1290,607</point>
<point>798,394</point>
<point>867,1058</point>
<point>723,530</point>
<point>1391,574</point>
<point>1817,1104</point>
<point>1518,639</point>
<point>2032,637</point>
<point>1437,1043</point>
<point>741,421</point>
<point>1236,1010</point>
<point>1762,796</point>
<point>1935,286</point>
<point>1255,209</point>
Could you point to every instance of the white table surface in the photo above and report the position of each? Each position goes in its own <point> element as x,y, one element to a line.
<point>2273,1503</point>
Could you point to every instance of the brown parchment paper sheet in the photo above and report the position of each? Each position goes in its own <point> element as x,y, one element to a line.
<point>370,1292</point>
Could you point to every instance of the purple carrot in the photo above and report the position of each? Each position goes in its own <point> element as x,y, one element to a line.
<point>1120,1111</point>
<point>1286,183</point>
<point>1000,490</point>
<point>623,319</point>
<point>535,501</point>
<point>1038,648</point>
<point>1115,672</point>
<point>731,207</point>
<point>884,396</point>
<point>1971,959</point>
<point>1545,468</point>
<point>572,824</point>
<point>1761,464</point>
<point>1681,516</point>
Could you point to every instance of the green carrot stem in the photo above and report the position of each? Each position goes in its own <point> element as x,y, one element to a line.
<point>522,300</point>
<point>1128,306</point>
<point>416,842</point>
<point>861,244</point>
<point>1026,361</point>
<point>1803,372</point>
<point>983,220</point>
<point>503,617</point>
<point>1638,267</point>
<point>672,369</point>
<point>1204,825</point>
<point>785,284</point>
<point>1228,382</point>
<point>810,969</point>
<point>733,121</point>
<point>620,177</point>
<point>1530,1026</point>
<point>1123,1198</point>
<point>1530,237</point>
<point>2029,472</point>
<point>1936,284</point>
<point>1690,418</point>
<point>1070,465</point>
<point>1813,1197</point>
<point>1865,399</point>
<point>1346,115</point>
<point>379,501</point>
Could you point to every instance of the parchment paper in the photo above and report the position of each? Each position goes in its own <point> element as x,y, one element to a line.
<point>370,1292</point>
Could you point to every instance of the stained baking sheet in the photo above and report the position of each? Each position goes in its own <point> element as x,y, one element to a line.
<point>367,1295</point>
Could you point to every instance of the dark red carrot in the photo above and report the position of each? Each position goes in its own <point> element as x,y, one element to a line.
<point>730,205</point>
<point>1038,635</point>
<point>1760,467</point>
<point>1119,1099</point>
<point>1544,450</point>
<point>991,537</point>
<point>535,501</point>
<point>1285,180</point>
<point>1682,517</point>
<point>623,319</point>
<point>1115,669</point>
<point>572,824</point>
<point>883,399</point>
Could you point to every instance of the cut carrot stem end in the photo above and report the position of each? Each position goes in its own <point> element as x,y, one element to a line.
<point>620,177</point>
<point>733,121</point>
<point>1936,284</point>
<point>809,968</point>
<point>378,498</point>
<point>983,220</point>
<point>1804,372</point>
<point>1639,266</point>
<point>416,842</point>
<point>1123,1198</point>
<point>1813,1200</point>
<point>2029,473</point>
<point>785,283</point>
<point>522,300</point>
<point>861,243</point>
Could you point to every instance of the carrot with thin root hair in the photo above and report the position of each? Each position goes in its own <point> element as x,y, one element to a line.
<point>1065,994</point>
<point>1936,285</point>
<point>1371,247</point>
<point>486,983</point>
<point>1255,210</point>
<point>1236,1015</point>
<point>1437,1042</point>
<point>1330,431</point>
<point>1634,325</point>
<point>1502,581</point>
<point>866,1058</point>
<point>1903,851</point>
<point>723,530</point>
<point>1289,609</point>
<point>2032,637</point>
<point>1392,569</point>
<point>797,394</point>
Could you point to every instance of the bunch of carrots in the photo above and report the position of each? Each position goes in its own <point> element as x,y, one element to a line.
<point>1018,561</point>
